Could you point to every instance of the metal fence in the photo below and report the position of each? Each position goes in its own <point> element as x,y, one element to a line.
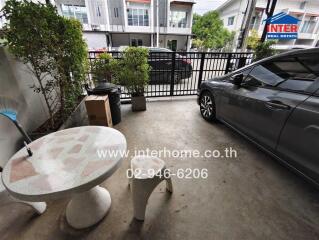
<point>180,73</point>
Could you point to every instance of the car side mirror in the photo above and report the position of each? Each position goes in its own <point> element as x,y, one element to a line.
<point>237,79</point>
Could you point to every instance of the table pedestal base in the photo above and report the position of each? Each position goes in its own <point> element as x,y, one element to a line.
<point>88,208</point>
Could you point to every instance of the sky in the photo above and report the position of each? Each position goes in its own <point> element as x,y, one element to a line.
<point>203,6</point>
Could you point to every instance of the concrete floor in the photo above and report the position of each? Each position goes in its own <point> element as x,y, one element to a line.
<point>248,197</point>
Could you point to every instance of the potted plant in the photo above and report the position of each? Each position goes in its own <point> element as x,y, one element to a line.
<point>101,68</point>
<point>133,73</point>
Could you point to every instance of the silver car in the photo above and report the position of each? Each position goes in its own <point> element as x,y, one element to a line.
<point>274,103</point>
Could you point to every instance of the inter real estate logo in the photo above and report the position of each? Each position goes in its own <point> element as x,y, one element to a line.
<point>282,26</point>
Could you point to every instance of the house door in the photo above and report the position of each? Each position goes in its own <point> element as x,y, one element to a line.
<point>172,44</point>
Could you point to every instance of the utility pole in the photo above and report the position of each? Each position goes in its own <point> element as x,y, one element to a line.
<point>246,24</point>
<point>269,12</point>
<point>157,23</point>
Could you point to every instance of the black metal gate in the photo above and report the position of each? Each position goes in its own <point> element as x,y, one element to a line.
<point>180,73</point>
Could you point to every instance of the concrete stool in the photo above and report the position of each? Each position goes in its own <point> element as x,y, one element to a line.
<point>147,173</point>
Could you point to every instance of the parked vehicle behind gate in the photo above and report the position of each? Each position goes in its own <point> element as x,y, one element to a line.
<point>162,62</point>
<point>274,103</point>
<point>180,73</point>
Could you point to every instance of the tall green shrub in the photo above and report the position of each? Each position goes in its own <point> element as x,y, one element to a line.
<point>54,49</point>
<point>264,49</point>
<point>103,67</point>
<point>133,70</point>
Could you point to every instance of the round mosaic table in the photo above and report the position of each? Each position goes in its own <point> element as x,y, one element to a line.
<point>70,162</point>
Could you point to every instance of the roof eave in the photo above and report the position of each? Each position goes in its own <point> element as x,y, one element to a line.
<point>224,5</point>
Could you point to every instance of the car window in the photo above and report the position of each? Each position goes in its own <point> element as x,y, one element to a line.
<point>245,73</point>
<point>263,75</point>
<point>297,73</point>
<point>296,85</point>
<point>300,72</point>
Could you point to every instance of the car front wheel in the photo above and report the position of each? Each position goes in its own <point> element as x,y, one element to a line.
<point>207,106</point>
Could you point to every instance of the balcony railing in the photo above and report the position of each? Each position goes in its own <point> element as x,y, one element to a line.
<point>117,28</point>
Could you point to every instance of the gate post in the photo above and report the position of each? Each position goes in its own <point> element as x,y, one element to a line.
<point>242,62</point>
<point>201,69</point>
<point>228,63</point>
<point>173,74</point>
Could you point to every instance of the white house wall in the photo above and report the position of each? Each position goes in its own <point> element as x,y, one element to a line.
<point>95,40</point>
<point>16,80</point>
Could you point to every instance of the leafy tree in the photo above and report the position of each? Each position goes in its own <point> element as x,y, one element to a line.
<point>198,43</point>
<point>264,49</point>
<point>52,47</point>
<point>209,29</point>
<point>253,39</point>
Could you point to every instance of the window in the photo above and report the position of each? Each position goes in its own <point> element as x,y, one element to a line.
<point>74,11</point>
<point>178,19</point>
<point>231,20</point>
<point>138,17</point>
<point>116,12</point>
<point>253,22</point>
<point>240,71</point>
<point>262,75</point>
<point>296,84</point>
<point>296,73</point>
<point>309,25</point>
<point>136,42</point>
<point>98,11</point>
<point>302,5</point>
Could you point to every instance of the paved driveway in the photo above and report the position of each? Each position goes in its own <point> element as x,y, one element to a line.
<point>250,196</point>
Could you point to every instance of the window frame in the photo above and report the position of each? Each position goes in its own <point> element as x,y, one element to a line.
<point>70,12</point>
<point>230,21</point>
<point>134,17</point>
<point>176,24</point>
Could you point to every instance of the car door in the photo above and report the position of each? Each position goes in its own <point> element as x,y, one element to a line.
<point>262,106</point>
<point>299,141</point>
<point>228,107</point>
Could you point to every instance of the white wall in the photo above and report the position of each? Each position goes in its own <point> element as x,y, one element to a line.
<point>233,9</point>
<point>120,9</point>
<point>181,41</point>
<point>15,82</point>
<point>95,40</point>
<point>124,39</point>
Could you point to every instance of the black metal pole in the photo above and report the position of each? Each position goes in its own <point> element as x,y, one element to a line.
<point>201,69</point>
<point>173,74</point>
<point>269,13</point>
<point>24,134</point>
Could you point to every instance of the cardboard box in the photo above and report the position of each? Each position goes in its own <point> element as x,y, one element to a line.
<point>98,109</point>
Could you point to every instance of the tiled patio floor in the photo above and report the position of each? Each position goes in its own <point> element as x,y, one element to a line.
<point>248,197</point>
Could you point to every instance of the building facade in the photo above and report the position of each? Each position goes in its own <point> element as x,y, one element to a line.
<point>232,13</point>
<point>114,23</point>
